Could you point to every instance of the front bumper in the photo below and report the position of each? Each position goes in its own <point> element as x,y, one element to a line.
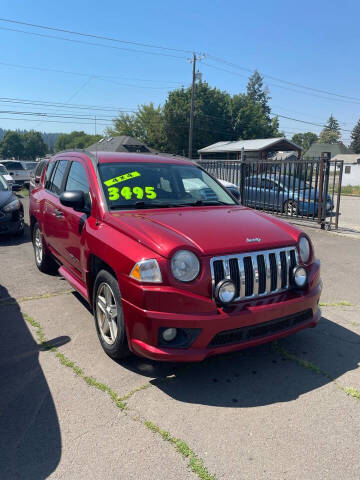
<point>143,325</point>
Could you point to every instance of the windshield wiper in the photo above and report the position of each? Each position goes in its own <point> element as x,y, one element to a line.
<point>207,203</point>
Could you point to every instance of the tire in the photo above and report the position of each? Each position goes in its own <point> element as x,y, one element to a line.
<point>43,259</point>
<point>109,316</point>
<point>21,230</point>
<point>291,208</point>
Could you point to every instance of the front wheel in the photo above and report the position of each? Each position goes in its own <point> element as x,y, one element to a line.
<point>43,259</point>
<point>291,208</point>
<point>109,317</point>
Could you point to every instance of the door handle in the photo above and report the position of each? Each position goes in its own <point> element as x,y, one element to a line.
<point>58,213</point>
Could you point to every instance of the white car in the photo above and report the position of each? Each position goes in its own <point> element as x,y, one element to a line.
<point>20,175</point>
<point>6,175</point>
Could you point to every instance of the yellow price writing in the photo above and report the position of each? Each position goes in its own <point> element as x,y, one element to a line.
<point>128,192</point>
<point>121,178</point>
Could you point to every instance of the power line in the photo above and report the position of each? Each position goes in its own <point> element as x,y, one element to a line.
<point>305,87</point>
<point>101,37</point>
<point>90,43</point>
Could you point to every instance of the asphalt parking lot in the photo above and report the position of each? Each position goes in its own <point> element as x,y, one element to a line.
<point>289,410</point>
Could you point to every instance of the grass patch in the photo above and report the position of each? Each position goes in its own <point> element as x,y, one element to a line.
<point>196,464</point>
<point>342,303</point>
<point>352,391</point>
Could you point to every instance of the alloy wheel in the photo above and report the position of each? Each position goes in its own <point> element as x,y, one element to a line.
<point>38,246</point>
<point>106,313</point>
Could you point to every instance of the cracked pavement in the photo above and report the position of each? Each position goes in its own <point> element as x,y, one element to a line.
<point>252,414</point>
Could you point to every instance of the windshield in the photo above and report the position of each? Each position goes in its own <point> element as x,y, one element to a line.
<point>156,185</point>
<point>3,185</point>
<point>30,165</point>
<point>3,170</point>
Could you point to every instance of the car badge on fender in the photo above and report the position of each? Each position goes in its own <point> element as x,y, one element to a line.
<point>253,240</point>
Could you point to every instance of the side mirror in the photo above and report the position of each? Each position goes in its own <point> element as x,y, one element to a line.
<point>74,199</point>
<point>37,179</point>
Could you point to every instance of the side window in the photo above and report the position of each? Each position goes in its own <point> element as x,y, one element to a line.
<point>39,169</point>
<point>48,173</point>
<point>77,180</point>
<point>56,181</point>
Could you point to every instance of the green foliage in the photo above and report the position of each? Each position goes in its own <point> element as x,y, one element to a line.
<point>305,140</point>
<point>249,120</point>
<point>355,137</point>
<point>34,145</point>
<point>331,132</point>
<point>257,93</point>
<point>212,118</point>
<point>147,125</point>
<point>12,145</point>
<point>75,139</point>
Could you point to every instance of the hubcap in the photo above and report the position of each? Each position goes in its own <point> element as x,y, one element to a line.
<point>38,246</point>
<point>106,313</point>
<point>291,208</point>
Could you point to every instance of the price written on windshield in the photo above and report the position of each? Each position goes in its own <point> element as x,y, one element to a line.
<point>128,193</point>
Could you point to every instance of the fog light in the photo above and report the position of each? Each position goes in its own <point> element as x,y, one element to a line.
<point>300,276</point>
<point>225,291</point>
<point>169,334</point>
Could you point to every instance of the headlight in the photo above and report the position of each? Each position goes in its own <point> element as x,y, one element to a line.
<point>225,291</point>
<point>185,266</point>
<point>304,249</point>
<point>146,271</point>
<point>10,207</point>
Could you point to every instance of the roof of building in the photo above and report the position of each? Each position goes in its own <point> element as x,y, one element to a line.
<point>348,157</point>
<point>257,144</point>
<point>317,149</point>
<point>121,143</point>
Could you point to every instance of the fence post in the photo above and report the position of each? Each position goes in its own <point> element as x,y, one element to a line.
<point>338,195</point>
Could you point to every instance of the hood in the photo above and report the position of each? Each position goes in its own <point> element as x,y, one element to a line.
<point>6,197</point>
<point>205,230</point>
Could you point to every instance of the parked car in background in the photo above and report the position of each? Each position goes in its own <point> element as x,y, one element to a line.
<point>172,266</point>
<point>231,187</point>
<point>36,173</point>
<point>11,211</point>
<point>285,193</point>
<point>17,170</point>
<point>6,175</point>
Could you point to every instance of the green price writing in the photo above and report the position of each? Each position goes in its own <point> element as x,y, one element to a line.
<point>128,192</point>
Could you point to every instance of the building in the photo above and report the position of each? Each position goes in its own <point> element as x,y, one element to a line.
<point>260,148</point>
<point>334,149</point>
<point>351,170</point>
<point>121,143</point>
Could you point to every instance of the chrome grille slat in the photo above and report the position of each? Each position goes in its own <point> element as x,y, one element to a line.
<point>249,278</point>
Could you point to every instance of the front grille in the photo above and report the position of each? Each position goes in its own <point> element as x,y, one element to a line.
<point>256,274</point>
<point>261,330</point>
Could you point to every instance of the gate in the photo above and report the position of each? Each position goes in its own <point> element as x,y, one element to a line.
<point>304,189</point>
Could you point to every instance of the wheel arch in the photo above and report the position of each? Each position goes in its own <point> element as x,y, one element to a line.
<point>95,264</point>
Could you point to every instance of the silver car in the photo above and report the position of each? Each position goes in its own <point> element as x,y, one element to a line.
<point>18,171</point>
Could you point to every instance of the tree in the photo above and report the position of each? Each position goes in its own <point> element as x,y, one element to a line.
<point>257,93</point>
<point>305,140</point>
<point>147,125</point>
<point>355,137</point>
<point>75,139</point>
<point>11,145</point>
<point>34,145</point>
<point>331,132</point>
<point>249,120</point>
<point>212,118</point>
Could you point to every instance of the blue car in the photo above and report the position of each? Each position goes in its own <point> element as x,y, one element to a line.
<point>285,193</point>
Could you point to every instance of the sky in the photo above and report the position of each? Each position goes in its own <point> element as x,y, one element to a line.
<point>309,43</point>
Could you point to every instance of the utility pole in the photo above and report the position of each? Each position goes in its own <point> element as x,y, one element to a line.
<point>191,126</point>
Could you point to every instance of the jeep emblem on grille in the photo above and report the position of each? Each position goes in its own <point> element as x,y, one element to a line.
<point>252,240</point>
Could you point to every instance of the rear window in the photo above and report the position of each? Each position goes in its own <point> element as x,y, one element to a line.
<point>14,166</point>
<point>30,165</point>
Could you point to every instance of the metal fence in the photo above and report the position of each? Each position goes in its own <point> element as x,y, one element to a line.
<point>308,189</point>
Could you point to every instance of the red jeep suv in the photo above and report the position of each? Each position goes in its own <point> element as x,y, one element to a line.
<point>172,266</point>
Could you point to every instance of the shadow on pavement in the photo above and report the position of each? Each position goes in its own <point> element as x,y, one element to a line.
<point>30,440</point>
<point>258,376</point>
<point>7,240</point>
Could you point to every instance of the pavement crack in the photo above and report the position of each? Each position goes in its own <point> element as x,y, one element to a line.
<point>13,301</point>
<point>351,391</point>
<point>195,463</point>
